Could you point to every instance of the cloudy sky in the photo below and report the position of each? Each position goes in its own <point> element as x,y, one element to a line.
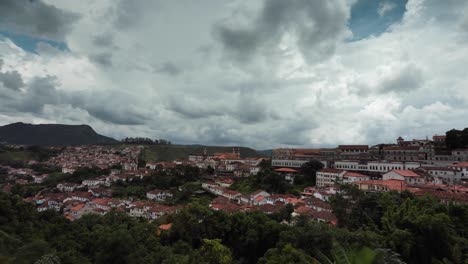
<point>263,73</point>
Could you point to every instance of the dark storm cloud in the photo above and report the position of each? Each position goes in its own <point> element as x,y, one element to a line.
<point>169,68</point>
<point>35,18</point>
<point>41,91</point>
<point>192,109</point>
<point>317,25</point>
<point>116,116</point>
<point>409,78</point>
<point>11,79</point>
<point>104,59</point>
<point>250,110</point>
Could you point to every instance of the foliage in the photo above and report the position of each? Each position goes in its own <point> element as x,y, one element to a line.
<point>395,227</point>
<point>285,255</point>
<point>212,252</point>
<point>309,170</point>
<point>456,138</point>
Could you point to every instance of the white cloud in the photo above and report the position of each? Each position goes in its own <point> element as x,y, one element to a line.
<point>385,7</point>
<point>168,75</point>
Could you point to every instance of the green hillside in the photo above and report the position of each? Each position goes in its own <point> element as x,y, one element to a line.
<point>172,152</point>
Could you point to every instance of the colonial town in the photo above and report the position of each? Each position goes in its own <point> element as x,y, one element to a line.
<point>415,166</point>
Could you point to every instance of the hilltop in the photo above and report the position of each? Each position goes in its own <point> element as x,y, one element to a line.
<point>51,135</point>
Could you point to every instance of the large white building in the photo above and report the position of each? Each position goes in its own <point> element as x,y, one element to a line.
<point>375,166</point>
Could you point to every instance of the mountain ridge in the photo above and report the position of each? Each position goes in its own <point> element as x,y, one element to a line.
<point>51,134</point>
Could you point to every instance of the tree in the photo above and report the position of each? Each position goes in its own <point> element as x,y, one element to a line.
<point>285,255</point>
<point>309,169</point>
<point>213,252</point>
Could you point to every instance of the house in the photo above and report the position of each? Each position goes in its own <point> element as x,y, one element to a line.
<point>381,185</point>
<point>224,182</point>
<point>317,204</point>
<point>308,192</point>
<point>327,177</point>
<point>79,210</point>
<point>137,209</point>
<point>100,192</point>
<point>288,173</point>
<point>159,195</point>
<point>94,181</point>
<point>409,176</point>
<point>350,177</point>
<point>79,196</point>
<point>445,174</point>
<point>319,216</point>
<point>151,165</point>
<point>67,187</point>
<point>461,168</point>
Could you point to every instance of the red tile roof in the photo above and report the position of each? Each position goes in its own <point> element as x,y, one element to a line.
<point>77,207</point>
<point>397,185</point>
<point>331,170</point>
<point>286,170</point>
<point>166,226</point>
<point>406,173</point>
<point>460,165</point>
<point>354,174</point>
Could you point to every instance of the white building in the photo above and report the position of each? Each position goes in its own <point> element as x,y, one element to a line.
<point>375,166</point>
<point>410,177</point>
<point>444,174</point>
<point>350,177</point>
<point>461,169</point>
<point>159,195</point>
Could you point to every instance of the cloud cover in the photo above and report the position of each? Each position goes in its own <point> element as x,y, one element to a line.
<point>259,73</point>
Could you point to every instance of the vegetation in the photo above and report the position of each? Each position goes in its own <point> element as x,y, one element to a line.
<point>16,156</point>
<point>309,170</point>
<point>457,138</point>
<point>399,227</point>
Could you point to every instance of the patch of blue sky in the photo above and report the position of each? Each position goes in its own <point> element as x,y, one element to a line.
<point>29,43</point>
<point>373,17</point>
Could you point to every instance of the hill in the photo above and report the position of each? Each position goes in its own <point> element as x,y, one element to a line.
<point>51,135</point>
<point>172,152</point>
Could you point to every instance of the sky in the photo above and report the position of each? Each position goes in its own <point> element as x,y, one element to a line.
<point>264,73</point>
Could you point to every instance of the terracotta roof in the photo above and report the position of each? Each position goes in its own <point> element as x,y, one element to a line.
<point>286,170</point>
<point>397,185</point>
<point>331,170</point>
<point>77,207</point>
<point>460,165</point>
<point>406,173</point>
<point>166,226</point>
<point>354,174</point>
<point>259,198</point>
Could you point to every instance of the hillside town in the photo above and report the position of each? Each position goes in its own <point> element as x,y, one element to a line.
<point>414,166</point>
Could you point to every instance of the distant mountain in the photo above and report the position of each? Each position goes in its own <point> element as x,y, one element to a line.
<point>266,152</point>
<point>51,134</point>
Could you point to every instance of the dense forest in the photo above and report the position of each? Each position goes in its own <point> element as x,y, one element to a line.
<point>373,228</point>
